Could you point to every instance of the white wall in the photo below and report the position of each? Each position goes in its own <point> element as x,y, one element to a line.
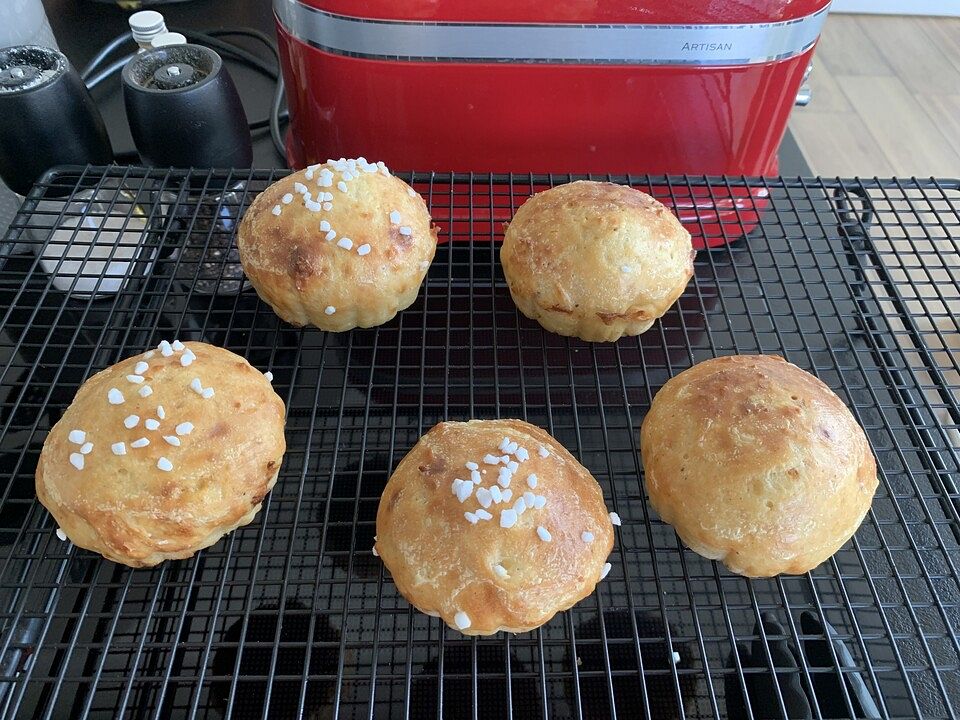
<point>899,7</point>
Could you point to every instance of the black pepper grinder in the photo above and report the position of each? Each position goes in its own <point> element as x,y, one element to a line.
<point>47,117</point>
<point>184,110</point>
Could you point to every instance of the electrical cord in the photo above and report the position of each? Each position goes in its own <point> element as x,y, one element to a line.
<point>244,56</point>
<point>111,69</point>
<point>275,133</point>
<point>251,33</point>
<point>230,49</point>
<point>226,49</point>
<point>276,114</point>
<point>104,53</point>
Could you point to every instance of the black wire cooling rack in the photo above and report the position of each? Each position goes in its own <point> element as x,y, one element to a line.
<point>292,616</point>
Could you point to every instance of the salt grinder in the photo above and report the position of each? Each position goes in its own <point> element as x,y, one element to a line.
<point>184,110</point>
<point>47,117</point>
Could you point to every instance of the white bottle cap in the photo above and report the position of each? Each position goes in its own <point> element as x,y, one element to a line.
<point>168,38</point>
<point>146,25</point>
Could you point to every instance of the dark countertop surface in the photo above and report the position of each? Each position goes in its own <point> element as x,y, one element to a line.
<point>82,28</point>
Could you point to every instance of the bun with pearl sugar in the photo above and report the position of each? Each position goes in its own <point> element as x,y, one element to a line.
<point>338,245</point>
<point>492,525</point>
<point>595,260</point>
<point>163,453</point>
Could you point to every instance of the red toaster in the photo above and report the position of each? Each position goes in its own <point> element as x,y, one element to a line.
<point>583,86</point>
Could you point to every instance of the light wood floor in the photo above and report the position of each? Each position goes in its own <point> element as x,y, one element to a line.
<point>886,98</point>
<point>886,101</point>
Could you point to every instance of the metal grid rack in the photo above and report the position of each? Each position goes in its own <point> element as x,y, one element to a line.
<point>856,281</point>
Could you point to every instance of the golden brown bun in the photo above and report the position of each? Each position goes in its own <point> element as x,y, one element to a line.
<point>756,463</point>
<point>444,565</point>
<point>126,508</point>
<point>595,260</point>
<point>301,274</point>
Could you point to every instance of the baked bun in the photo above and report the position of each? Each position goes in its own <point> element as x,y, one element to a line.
<point>595,260</point>
<point>756,463</point>
<point>211,454</point>
<point>339,245</point>
<point>456,560</point>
